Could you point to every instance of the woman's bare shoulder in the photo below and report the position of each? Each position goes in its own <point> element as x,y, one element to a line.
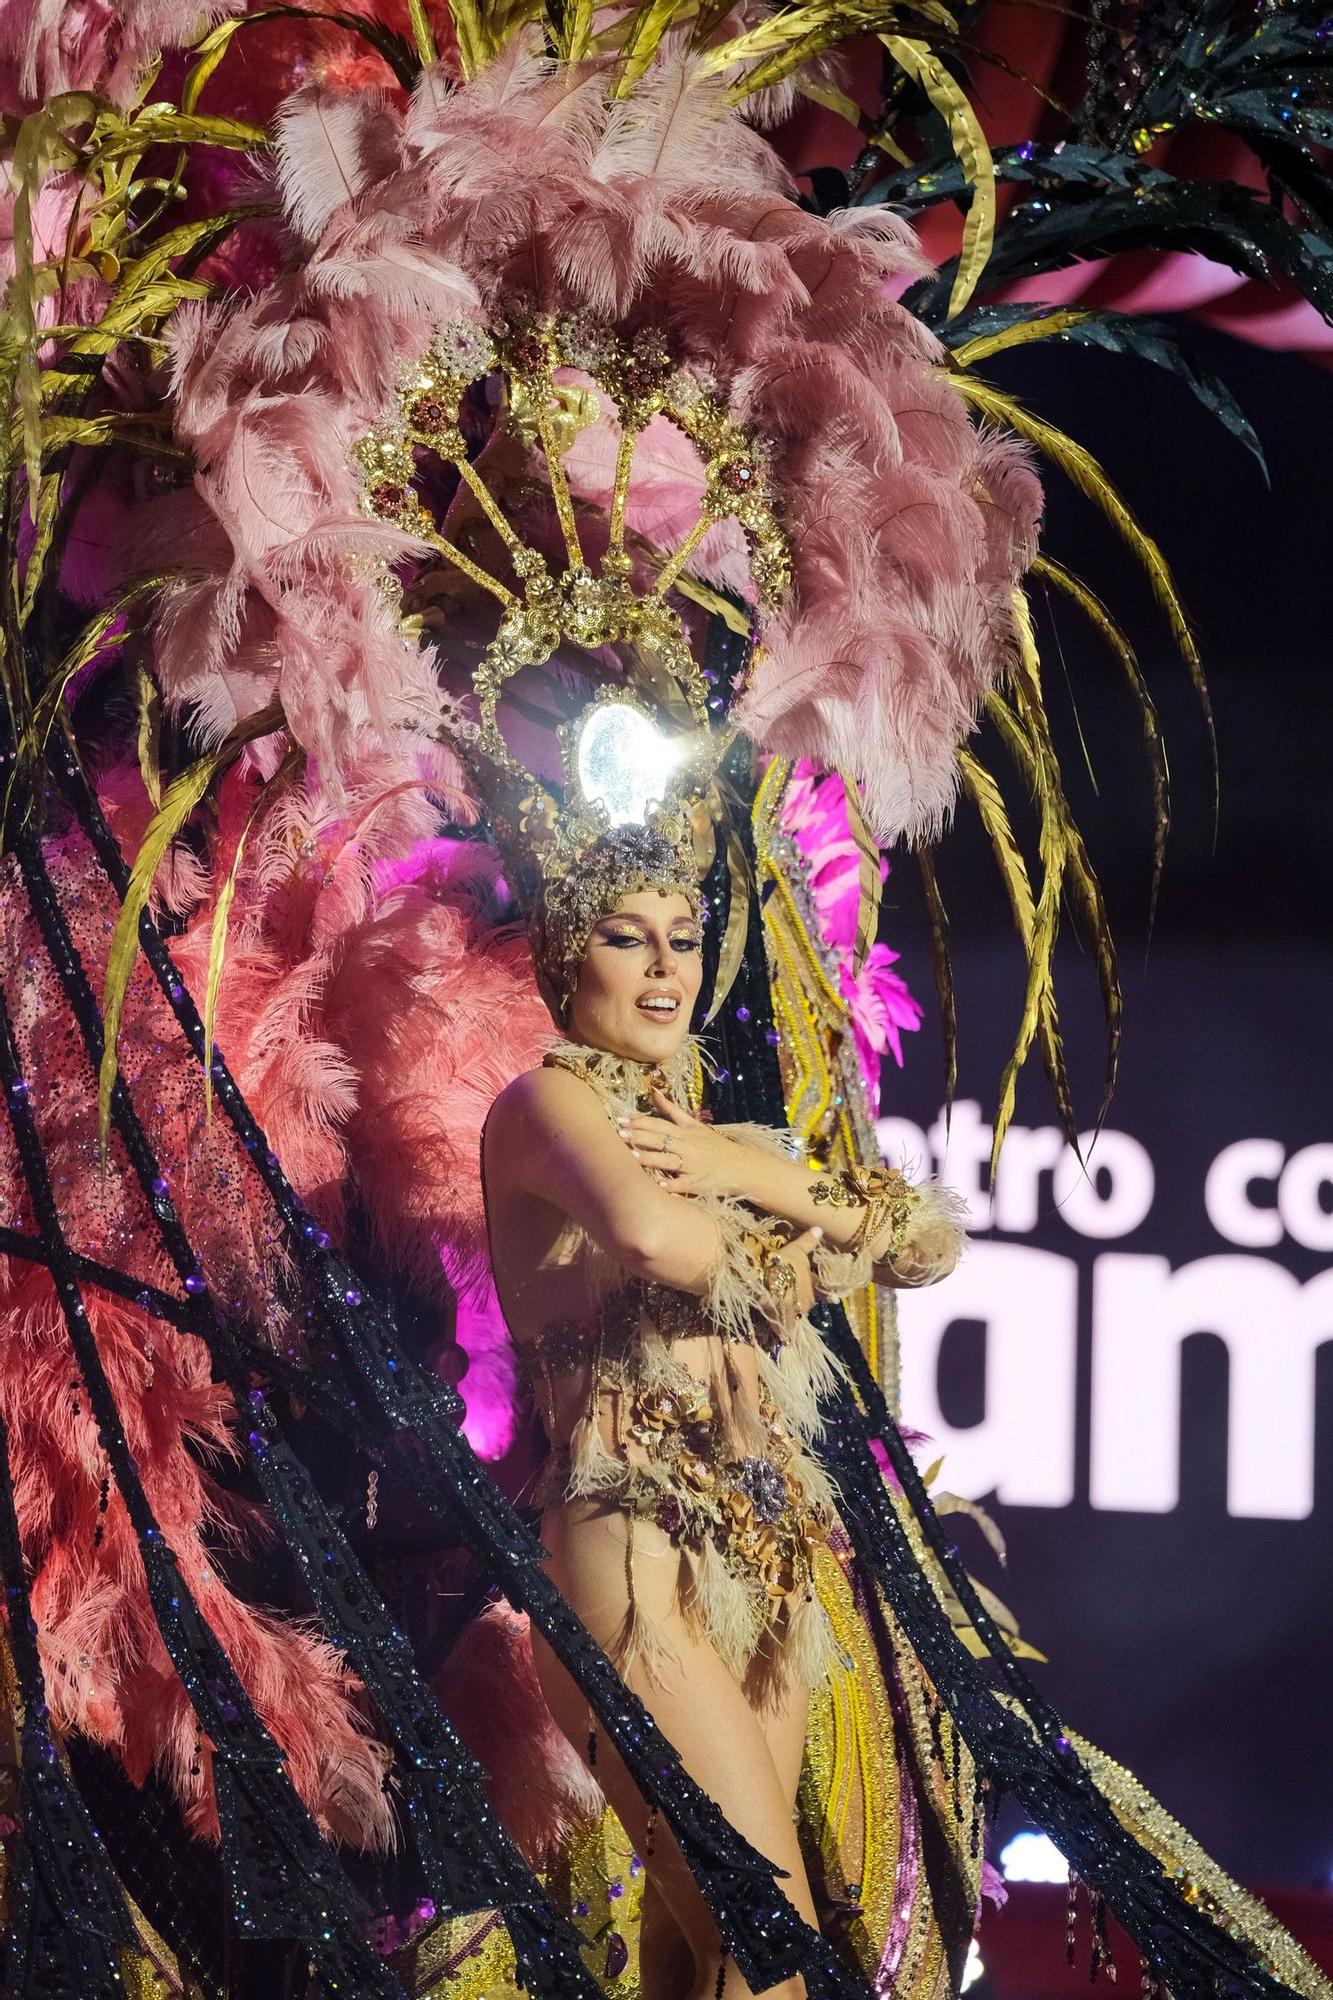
<point>540,1100</point>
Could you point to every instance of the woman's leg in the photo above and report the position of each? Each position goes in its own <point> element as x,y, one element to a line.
<point>699,1706</point>
<point>666,1962</point>
<point>784,1717</point>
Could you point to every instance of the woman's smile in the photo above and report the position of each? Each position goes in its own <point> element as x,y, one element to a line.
<point>660,1005</point>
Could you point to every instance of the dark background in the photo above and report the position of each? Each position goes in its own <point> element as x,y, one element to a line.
<point>1193,1646</point>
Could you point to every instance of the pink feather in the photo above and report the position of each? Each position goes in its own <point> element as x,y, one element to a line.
<point>330,147</point>
<point>539,1785</point>
<point>107,1673</point>
<point>50,46</point>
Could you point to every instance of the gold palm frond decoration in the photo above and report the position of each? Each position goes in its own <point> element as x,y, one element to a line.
<point>50,367</point>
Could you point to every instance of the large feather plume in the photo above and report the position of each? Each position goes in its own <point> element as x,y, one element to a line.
<point>107,1673</point>
<point>533,186</point>
<point>50,46</point>
<point>373,1010</point>
<point>370,1011</point>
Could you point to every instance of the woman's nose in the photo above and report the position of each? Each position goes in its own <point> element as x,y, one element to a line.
<point>664,962</point>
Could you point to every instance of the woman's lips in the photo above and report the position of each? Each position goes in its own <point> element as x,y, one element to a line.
<point>659,1006</point>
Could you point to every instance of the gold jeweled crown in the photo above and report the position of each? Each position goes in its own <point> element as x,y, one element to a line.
<point>639,758</point>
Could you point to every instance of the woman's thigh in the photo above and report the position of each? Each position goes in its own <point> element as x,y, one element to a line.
<point>784,1718</point>
<point>697,1703</point>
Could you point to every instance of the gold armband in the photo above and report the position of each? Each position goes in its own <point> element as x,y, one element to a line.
<point>886,1195</point>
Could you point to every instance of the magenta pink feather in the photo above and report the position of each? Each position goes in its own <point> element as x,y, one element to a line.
<point>879,1003</point>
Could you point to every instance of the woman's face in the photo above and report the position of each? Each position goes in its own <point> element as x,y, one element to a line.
<point>639,979</point>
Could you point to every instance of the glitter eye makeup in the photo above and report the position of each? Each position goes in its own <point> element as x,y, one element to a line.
<point>680,940</point>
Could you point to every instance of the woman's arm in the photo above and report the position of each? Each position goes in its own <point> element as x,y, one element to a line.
<point>696,1155</point>
<point>558,1144</point>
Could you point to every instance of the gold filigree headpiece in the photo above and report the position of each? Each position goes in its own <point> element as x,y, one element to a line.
<point>640,758</point>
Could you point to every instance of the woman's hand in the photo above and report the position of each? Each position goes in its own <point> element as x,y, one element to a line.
<point>688,1154</point>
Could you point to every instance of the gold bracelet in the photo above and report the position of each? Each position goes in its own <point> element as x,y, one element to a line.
<point>885,1194</point>
<point>835,1194</point>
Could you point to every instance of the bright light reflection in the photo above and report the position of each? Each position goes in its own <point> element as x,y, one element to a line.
<point>624,762</point>
<point>1033,1857</point>
<point>974,1968</point>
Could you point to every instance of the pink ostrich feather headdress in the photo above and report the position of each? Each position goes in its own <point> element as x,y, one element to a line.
<point>533,187</point>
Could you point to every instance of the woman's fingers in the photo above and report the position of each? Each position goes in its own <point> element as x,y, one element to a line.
<point>808,1240</point>
<point>662,1157</point>
<point>655,1135</point>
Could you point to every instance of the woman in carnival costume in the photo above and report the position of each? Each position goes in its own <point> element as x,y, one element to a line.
<point>659,1311</point>
<point>552,337</point>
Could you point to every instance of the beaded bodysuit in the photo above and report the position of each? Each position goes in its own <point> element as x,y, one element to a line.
<point>697,1413</point>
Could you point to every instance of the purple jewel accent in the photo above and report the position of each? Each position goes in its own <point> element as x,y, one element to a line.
<point>1064,1746</point>
<point>580,1909</point>
<point>764,1487</point>
<point>194,1284</point>
<point>614,1890</point>
<point>669,1515</point>
<point>352,1297</point>
<point>742,1013</point>
<point>160,1185</point>
<point>617,1955</point>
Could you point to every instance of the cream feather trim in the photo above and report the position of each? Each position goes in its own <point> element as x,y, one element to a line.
<point>593,1468</point>
<point>736,1290</point>
<point>797,1377</point>
<point>820,1494</point>
<point>838,1273</point>
<point>937,1237</point>
<point>643,1642</point>
<point>808,1645</point>
<point>802,1650</point>
<point>732,1610</point>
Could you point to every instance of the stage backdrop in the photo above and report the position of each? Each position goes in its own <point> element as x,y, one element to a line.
<point>1127,1364</point>
<point>1133,1366</point>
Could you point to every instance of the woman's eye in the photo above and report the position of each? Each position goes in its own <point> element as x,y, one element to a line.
<point>624,938</point>
<point>686,942</point>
